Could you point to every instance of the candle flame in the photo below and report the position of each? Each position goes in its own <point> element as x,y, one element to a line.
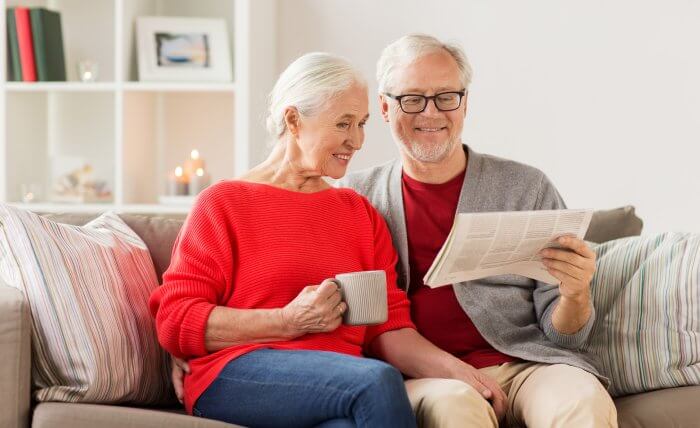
<point>195,154</point>
<point>178,171</point>
<point>199,172</point>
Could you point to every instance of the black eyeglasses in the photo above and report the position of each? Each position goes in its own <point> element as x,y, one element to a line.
<point>414,103</point>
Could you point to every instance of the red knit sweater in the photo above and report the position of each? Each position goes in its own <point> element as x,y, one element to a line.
<point>249,245</point>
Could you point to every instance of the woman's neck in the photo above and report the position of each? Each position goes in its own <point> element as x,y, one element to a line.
<point>280,170</point>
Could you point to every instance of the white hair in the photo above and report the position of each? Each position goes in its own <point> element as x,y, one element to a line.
<point>307,84</point>
<point>411,47</point>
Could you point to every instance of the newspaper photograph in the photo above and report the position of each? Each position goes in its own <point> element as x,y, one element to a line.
<point>502,243</point>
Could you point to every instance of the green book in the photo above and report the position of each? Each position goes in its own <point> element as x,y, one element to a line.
<point>13,46</point>
<point>48,45</point>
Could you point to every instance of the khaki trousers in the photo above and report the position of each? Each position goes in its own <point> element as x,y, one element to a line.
<point>539,396</point>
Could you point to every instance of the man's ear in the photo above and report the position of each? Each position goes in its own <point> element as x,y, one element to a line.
<point>384,107</point>
<point>292,120</point>
<point>466,105</point>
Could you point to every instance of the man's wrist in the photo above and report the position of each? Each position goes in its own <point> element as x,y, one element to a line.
<point>581,299</point>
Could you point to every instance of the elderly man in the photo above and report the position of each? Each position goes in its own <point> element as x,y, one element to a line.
<point>513,341</point>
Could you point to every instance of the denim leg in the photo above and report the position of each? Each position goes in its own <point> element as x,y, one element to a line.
<point>337,423</point>
<point>276,388</point>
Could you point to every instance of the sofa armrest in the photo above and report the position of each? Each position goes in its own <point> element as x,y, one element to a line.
<point>15,358</point>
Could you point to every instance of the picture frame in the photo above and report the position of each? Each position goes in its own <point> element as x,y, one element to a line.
<point>183,49</point>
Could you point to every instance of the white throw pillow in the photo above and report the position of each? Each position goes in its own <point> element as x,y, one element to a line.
<point>93,337</point>
<point>646,291</point>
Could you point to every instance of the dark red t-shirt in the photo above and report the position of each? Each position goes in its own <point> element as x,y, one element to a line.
<point>430,211</point>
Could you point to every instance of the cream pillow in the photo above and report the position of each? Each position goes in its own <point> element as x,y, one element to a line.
<point>93,338</point>
<point>646,292</point>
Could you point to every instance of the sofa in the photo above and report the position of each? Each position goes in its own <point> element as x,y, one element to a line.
<point>674,407</point>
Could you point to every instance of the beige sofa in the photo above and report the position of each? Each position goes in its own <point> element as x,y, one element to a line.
<point>677,407</point>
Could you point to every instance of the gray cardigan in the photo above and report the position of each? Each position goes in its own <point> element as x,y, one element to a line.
<point>513,313</point>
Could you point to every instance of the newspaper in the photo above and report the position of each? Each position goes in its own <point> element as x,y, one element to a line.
<point>501,243</point>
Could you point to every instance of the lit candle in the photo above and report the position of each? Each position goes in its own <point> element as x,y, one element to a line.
<point>198,182</point>
<point>177,183</point>
<point>193,163</point>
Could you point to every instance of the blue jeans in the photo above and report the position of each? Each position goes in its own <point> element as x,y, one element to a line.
<point>278,388</point>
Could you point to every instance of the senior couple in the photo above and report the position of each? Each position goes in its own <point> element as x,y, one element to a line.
<point>248,303</point>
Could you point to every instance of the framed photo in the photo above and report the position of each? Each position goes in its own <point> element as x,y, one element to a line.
<point>183,49</point>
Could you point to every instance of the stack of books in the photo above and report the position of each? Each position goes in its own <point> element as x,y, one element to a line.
<point>34,45</point>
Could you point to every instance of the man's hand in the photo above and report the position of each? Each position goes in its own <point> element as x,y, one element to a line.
<point>180,367</point>
<point>573,265</point>
<point>484,385</point>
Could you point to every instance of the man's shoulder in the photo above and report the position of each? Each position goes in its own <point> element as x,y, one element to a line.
<point>366,180</point>
<point>508,168</point>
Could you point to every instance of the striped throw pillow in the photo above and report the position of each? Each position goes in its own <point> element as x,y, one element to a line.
<point>646,291</point>
<point>93,338</point>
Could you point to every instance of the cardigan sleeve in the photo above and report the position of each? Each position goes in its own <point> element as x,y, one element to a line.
<point>199,275</point>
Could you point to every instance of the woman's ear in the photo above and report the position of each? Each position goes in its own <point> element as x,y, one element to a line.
<point>291,120</point>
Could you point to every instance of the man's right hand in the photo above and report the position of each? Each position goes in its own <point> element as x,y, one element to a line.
<point>179,368</point>
<point>486,386</point>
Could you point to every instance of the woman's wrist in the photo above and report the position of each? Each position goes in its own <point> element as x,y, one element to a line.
<point>288,330</point>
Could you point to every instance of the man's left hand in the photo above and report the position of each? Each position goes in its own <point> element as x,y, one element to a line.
<point>573,265</point>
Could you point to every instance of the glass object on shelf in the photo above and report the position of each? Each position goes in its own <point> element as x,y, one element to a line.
<point>30,192</point>
<point>88,70</point>
<point>199,181</point>
<point>177,183</point>
<point>74,182</point>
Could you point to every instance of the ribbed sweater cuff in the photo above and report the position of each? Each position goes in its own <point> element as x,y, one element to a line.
<point>194,328</point>
<point>571,341</point>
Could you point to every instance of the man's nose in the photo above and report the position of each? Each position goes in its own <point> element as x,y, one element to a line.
<point>431,109</point>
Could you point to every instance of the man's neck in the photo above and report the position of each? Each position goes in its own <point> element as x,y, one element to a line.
<point>436,172</point>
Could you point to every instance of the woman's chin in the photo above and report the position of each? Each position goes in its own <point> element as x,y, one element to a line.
<point>337,174</point>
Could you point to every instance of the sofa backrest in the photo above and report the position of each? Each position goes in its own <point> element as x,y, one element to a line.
<point>159,232</point>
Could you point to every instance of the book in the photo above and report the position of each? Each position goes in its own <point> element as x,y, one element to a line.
<point>26,47</point>
<point>48,45</point>
<point>13,47</point>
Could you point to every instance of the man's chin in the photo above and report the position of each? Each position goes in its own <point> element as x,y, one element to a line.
<point>428,152</point>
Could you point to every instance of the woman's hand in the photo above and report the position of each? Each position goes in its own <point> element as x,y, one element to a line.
<point>317,309</point>
<point>179,368</point>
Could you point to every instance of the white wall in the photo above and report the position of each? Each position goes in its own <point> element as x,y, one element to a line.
<point>604,96</point>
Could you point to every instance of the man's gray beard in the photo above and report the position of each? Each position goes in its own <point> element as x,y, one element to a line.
<point>429,153</point>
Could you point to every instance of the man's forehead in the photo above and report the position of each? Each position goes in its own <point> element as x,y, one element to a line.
<point>431,73</point>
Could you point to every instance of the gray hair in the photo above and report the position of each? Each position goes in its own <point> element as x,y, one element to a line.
<point>411,47</point>
<point>307,84</point>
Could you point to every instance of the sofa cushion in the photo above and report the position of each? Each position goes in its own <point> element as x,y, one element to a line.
<point>646,291</point>
<point>607,225</point>
<point>673,407</point>
<point>93,338</point>
<point>157,231</point>
<point>69,415</point>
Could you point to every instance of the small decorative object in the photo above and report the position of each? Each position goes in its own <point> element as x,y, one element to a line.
<point>183,49</point>
<point>177,183</point>
<point>30,193</point>
<point>88,70</point>
<point>198,181</point>
<point>193,163</point>
<point>79,186</point>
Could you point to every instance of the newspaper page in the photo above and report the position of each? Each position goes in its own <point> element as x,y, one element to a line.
<point>502,243</point>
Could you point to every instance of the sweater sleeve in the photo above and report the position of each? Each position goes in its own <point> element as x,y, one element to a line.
<point>385,258</point>
<point>198,278</point>
<point>546,296</point>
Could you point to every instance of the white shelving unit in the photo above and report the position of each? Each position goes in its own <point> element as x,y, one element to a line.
<point>131,132</point>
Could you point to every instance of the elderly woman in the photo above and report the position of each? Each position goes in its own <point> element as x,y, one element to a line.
<point>266,348</point>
